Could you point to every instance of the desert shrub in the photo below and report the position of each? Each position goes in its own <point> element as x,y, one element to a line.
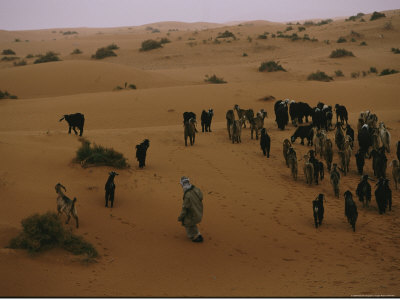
<point>48,57</point>
<point>9,58</point>
<point>327,42</point>
<point>353,40</point>
<point>271,66</point>
<point>244,54</point>
<point>339,73</point>
<point>8,52</point>
<point>165,41</point>
<point>396,50</point>
<point>7,95</point>
<point>363,43</point>
<point>117,88</point>
<point>112,47</point>
<point>226,34</point>
<point>69,32</point>
<point>17,40</point>
<point>155,30</point>
<point>319,76</point>
<point>340,53</point>
<point>289,28</point>
<point>364,73</point>
<point>97,155</point>
<point>20,63</point>
<point>150,45</point>
<point>214,79</point>
<point>76,51</point>
<point>388,72</point>
<point>46,231</point>
<point>249,39</point>
<point>308,23</point>
<point>373,70</point>
<point>262,37</point>
<point>132,86</point>
<point>388,26</point>
<point>324,22</point>
<point>301,28</point>
<point>29,56</point>
<point>355,34</point>
<point>341,40</point>
<point>103,53</point>
<point>377,15</point>
<point>273,35</point>
<point>355,74</point>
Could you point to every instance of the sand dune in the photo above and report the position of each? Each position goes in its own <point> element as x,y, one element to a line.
<point>258,227</point>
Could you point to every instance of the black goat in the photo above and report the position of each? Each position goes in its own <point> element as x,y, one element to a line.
<point>360,161</point>
<point>141,151</point>
<point>281,114</point>
<point>187,116</point>
<point>364,139</point>
<point>265,142</point>
<point>318,166</point>
<point>75,120</point>
<point>364,191</point>
<point>398,150</point>
<point>110,188</point>
<point>318,210</point>
<point>350,209</point>
<point>350,133</point>
<point>206,118</point>
<point>303,132</point>
<point>383,195</point>
<point>341,112</point>
<point>327,110</point>
<point>379,162</point>
<point>319,118</point>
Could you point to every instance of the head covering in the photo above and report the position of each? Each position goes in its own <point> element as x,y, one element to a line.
<point>185,183</point>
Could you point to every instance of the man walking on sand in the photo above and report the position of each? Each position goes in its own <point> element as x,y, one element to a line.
<point>192,210</point>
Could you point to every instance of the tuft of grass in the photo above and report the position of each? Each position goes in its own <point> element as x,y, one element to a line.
<point>355,74</point>
<point>340,53</point>
<point>289,28</point>
<point>377,15</point>
<point>9,58</point>
<point>373,70</point>
<point>20,63</point>
<point>8,52</point>
<point>271,66</point>
<point>341,40</point>
<point>226,34</point>
<point>319,76</point>
<point>363,43</point>
<point>103,53</point>
<point>396,50</point>
<point>301,28</point>
<point>7,95</point>
<point>76,51</point>
<point>29,56</point>
<point>214,79</point>
<point>262,36</point>
<point>69,32</point>
<point>339,73</point>
<point>150,45</point>
<point>97,155</point>
<point>165,41</point>
<point>46,231</point>
<point>388,26</point>
<point>48,57</point>
<point>112,47</point>
<point>388,72</point>
<point>244,54</point>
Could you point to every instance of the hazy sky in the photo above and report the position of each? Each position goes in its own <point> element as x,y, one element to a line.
<point>39,14</point>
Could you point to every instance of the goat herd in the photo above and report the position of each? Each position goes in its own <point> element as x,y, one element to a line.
<point>373,140</point>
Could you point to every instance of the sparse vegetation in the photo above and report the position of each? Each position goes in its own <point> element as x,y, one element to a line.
<point>20,63</point>
<point>354,18</point>
<point>271,66</point>
<point>363,43</point>
<point>373,70</point>
<point>97,155</point>
<point>341,40</point>
<point>112,47</point>
<point>355,74</point>
<point>126,86</point>
<point>396,50</point>
<point>388,26</point>
<point>214,79</point>
<point>103,53</point>
<point>353,40</point>
<point>319,76</point>
<point>340,53</point>
<point>46,231</point>
<point>9,58</point>
<point>76,51</point>
<point>249,39</point>
<point>8,52</point>
<point>7,95</point>
<point>388,72</point>
<point>155,30</point>
<point>339,73</point>
<point>48,57</point>
<point>150,45</point>
<point>29,56</point>
<point>289,28</point>
<point>262,36</point>
<point>17,40</point>
<point>226,34</point>
<point>355,34</point>
<point>320,23</point>
<point>244,54</point>
<point>301,28</point>
<point>377,15</point>
<point>69,32</point>
<point>165,41</point>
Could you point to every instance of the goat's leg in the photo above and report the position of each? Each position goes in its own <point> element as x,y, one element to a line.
<point>73,127</point>
<point>80,130</point>
<point>76,220</point>
<point>106,199</point>
<point>112,198</point>
<point>69,217</point>
<point>69,130</point>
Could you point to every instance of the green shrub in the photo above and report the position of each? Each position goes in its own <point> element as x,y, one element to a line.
<point>319,76</point>
<point>155,30</point>
<point>7,95</point>
<point>165,41</point>
<point>373,70</point>
<point>271,66</point>
<point>97,155</point>
<point>244,54</point>
<point>341,40</point>
<point>29,56</point>
<point>355,34</point>
<point>339,73</point>
<point>48,57</point>
<point>396,50</point>
<point>340,53</point>
<point>8,52</point>
<point>262,37</point>
<point>355,74</point>
<point>46,231</point>
<point>289,28</point>
<point>103,53</point>
<point>132,86</point>
<point>214,79</point>
<point>76,51</point>
<point>69,32</point>
<point>226,34</point>
<point>301,28</point>
<point>388,72</point>
<point>363,43</point>
<point>112,47</point>
<point>150,45</point>
<point>377,15</point>
<point>9,58</point>
<point>17,40</point>
<point>20,63</point>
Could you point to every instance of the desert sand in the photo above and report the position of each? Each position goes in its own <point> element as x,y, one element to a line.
<point>260,238</point>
